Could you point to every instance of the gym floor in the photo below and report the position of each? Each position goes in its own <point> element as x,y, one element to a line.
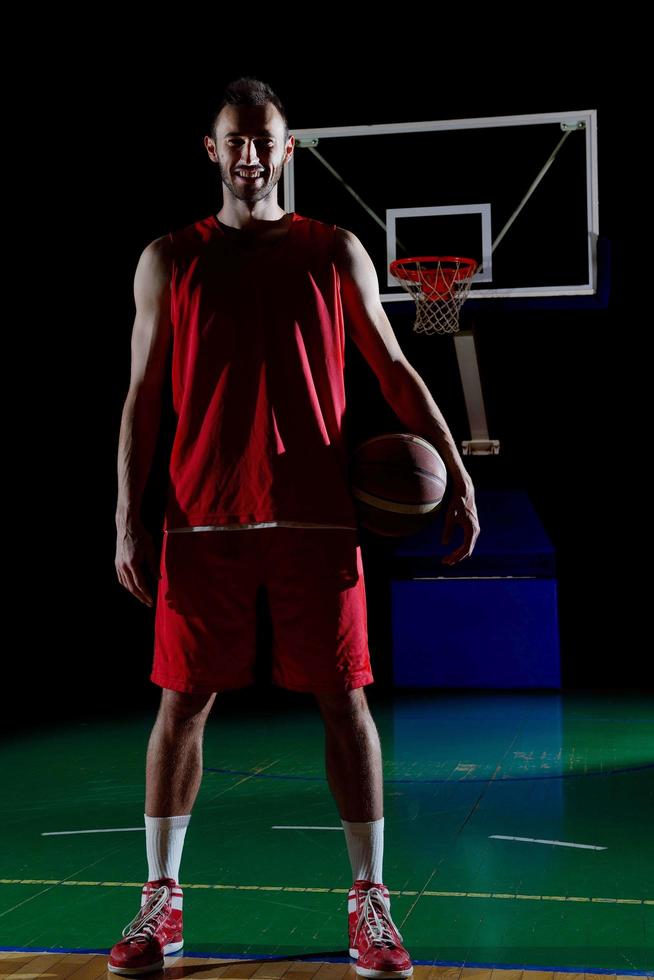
<point>518,837</point>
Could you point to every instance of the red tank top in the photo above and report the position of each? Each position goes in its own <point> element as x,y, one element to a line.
<point>257,381</point>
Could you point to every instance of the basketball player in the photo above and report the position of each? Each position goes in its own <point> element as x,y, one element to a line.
<point>255,301</point>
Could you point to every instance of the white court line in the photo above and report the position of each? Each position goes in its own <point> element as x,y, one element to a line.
<point>114,830</point>
<point>279,827</point>
<point>105,830</point>
<point>529,840</point>
<point>559,843</point>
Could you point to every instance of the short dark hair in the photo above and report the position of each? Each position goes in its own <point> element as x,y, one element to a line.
<point>247,91</point>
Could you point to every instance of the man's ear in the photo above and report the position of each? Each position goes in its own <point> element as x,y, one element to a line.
<point>210,147</point>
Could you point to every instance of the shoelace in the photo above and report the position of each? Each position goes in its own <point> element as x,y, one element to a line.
<point>145,922</point>
<point>379,925</point>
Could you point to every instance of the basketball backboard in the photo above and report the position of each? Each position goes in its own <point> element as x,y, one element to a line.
<point>517,193</point>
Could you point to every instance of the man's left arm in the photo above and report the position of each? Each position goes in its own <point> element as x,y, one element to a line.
<point>400,383</point>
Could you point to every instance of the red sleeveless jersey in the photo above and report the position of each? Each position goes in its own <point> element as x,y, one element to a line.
<point>257,381</point>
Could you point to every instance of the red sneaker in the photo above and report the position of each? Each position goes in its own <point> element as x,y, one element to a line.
<point>153,933</point>
<point>375,941</point>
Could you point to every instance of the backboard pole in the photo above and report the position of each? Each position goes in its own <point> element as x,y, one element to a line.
<point>480,443</point>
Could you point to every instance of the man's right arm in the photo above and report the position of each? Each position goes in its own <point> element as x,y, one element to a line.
<point>151,338</point>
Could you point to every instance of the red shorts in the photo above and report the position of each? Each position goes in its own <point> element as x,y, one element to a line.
<point>205,620</point>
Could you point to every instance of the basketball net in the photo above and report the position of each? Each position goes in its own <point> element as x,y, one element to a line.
<point>439,285</point>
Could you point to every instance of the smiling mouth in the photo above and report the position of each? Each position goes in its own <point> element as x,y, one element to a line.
<point>250,179</point>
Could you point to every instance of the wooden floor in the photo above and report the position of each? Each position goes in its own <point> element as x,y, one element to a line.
<point>83,966</point>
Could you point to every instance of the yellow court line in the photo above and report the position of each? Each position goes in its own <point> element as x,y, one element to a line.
<point>338,891</point>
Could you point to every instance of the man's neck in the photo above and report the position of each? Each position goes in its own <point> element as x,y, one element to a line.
<point>251,224</point>
<point>259,230</point>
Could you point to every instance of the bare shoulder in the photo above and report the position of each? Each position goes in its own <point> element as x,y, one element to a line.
<point>344,235</point>
<point>355,266</point>
<point>157,254</point>
<point>348,250</point>
<point>154,267</point>
<point>352,260</point>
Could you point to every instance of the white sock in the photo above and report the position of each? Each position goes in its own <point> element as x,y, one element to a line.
<point>164,840</point>
<point>365,846</point>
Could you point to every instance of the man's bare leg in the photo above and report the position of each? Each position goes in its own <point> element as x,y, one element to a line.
<point>174,758</point>
<point>354,772</point>
<point>173,778</point>
<point>352,755</point>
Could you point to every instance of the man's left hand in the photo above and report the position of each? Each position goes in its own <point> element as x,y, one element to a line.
<point>461,510</point>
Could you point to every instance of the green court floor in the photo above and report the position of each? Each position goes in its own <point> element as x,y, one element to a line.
<point>518,832</point>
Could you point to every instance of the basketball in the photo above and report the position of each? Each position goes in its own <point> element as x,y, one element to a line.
<point>398,481</point>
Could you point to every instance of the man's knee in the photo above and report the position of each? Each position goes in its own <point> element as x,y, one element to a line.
<point>343,703</point>
<point>177,706</point>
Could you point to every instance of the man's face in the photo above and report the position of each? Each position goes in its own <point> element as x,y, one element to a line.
<point>250,150</point>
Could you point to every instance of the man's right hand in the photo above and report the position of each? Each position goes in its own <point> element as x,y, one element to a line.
<point>136,560</point>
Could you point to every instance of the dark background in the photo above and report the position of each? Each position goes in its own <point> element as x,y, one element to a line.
<point>113,157</point>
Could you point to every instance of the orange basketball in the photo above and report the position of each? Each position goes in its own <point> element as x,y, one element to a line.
<point>398,482</point>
